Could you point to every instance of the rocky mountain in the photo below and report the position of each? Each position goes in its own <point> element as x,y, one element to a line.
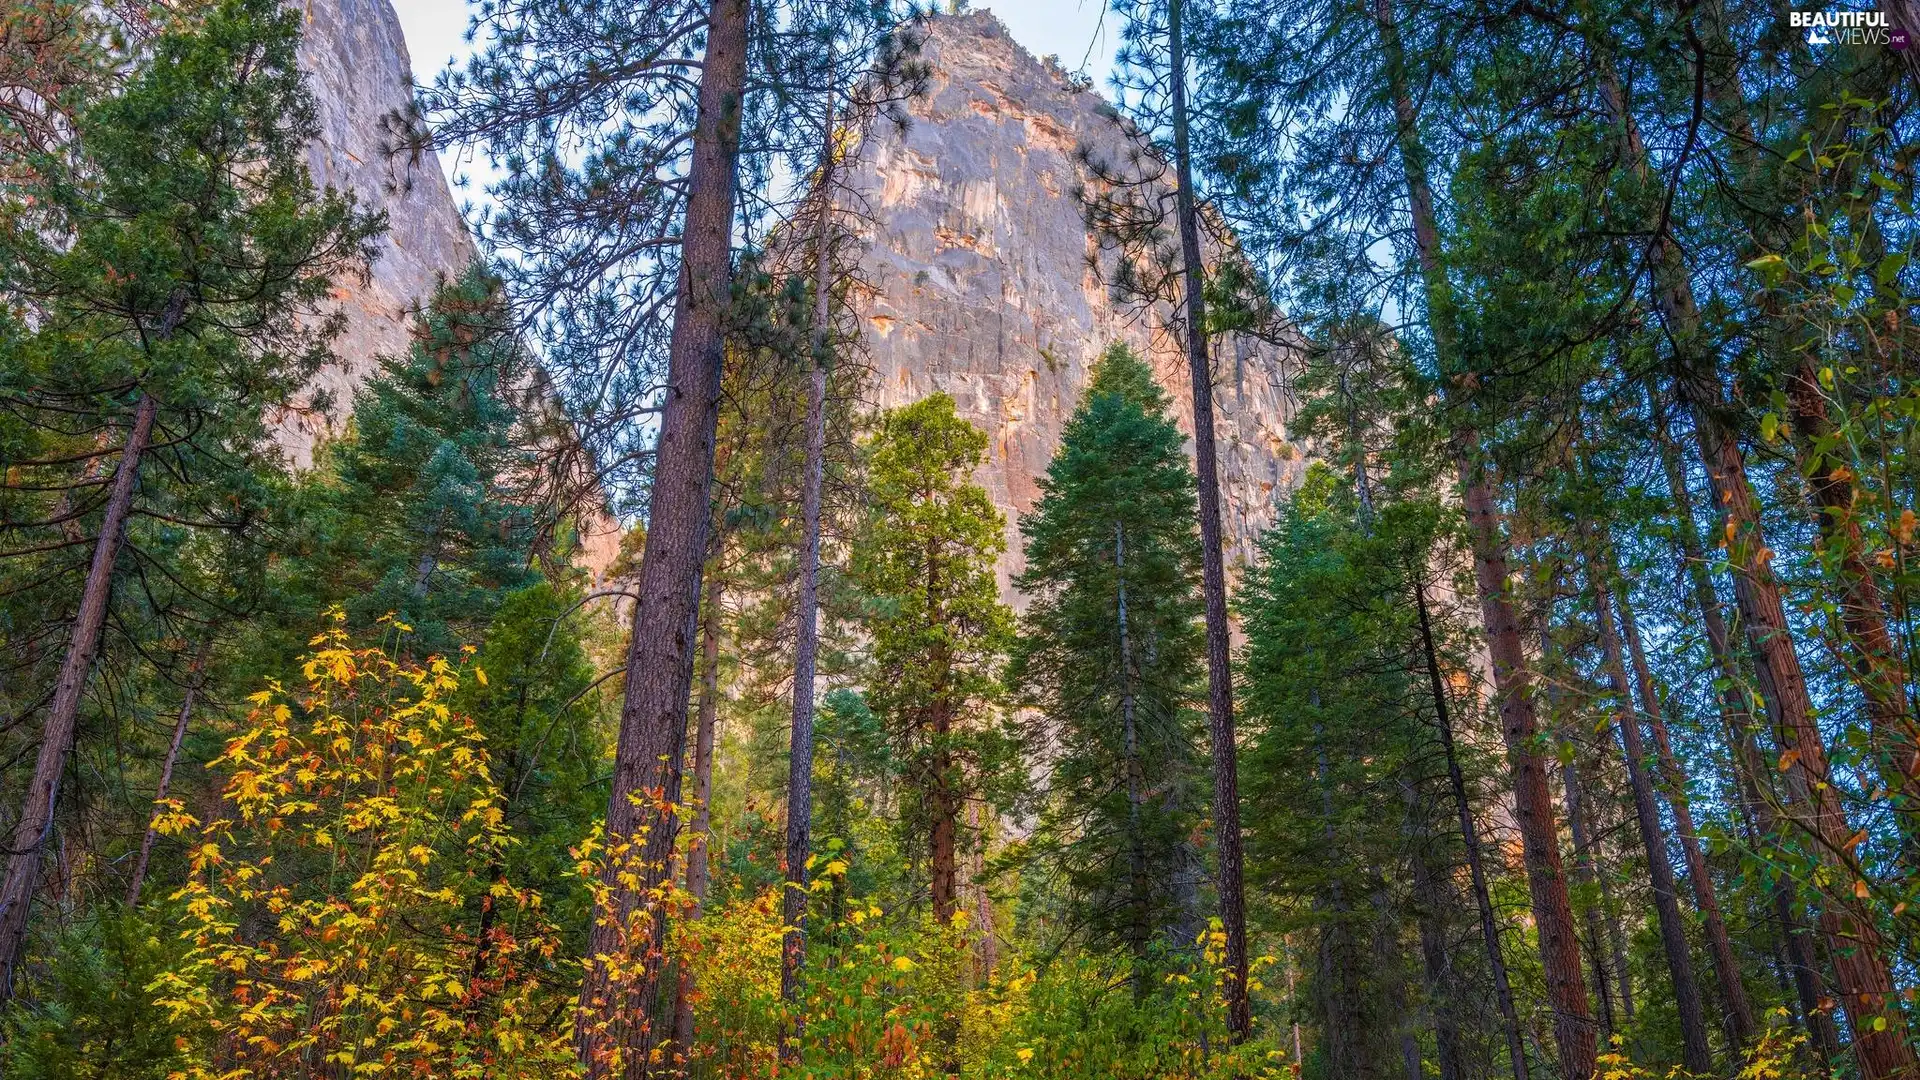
<point>977,280</point>
<point>355,56</point>
<point>974,265</point>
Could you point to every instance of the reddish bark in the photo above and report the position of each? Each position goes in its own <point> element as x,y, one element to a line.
<point>35,824</point>
<point>1740,1022</point>
<point>616,1019</point>
<point>1877,665</point>
<point>1666,901</point>
<point>1228,880</point>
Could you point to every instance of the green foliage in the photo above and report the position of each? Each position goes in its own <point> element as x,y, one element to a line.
<point>93,1015</point>
<point>924,560</point>
<point>546,736</point>
<point>168,248</point>
<point>1109,654</point>
<point>427,509</point>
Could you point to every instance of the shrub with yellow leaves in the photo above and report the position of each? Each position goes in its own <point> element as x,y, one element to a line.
<point>348,914</point>
<point>1778,1054</point>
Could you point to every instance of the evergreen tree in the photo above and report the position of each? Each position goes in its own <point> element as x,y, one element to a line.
<point>924,559</point>
<point>1110,654</point>
<point>428,508</point>
<point>157,270</point>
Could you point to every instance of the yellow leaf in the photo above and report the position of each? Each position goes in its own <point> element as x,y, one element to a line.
<point>901,963</point>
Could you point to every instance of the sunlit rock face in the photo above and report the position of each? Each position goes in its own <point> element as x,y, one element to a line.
<point>977,282</point>
<point>355,57</point>
<point>975,271</point>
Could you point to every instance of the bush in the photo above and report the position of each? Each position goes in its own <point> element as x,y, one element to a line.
<point>353,917</point>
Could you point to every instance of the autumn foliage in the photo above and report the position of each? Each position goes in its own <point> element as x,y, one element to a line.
<point>346,910</point>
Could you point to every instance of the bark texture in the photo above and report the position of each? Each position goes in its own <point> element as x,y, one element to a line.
<point>35,825</point>
<point>1220,729</point>
<point>615,1028</point>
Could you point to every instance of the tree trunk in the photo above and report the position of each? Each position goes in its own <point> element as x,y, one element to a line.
<point>1866,981</point>
<point>56,738</point>
<point>196,674</point>
<point>614,1028</point>
<point>1430,893</point>
<point>1470,839</point>
<point>1878,668</point>
<point>1532,803</point>
<point>1226,782</point>
<point>1748,770</point>
<point>943,843</point>
<point>1695,1054</point>
<point>699,833</point>
<point>1586,873</point>
<point>1740,1022</point>
<point>806,647</point>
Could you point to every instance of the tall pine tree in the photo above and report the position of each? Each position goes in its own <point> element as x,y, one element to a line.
<point>1110,654</point>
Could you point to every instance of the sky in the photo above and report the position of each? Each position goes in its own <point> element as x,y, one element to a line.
<point>1073,30</point>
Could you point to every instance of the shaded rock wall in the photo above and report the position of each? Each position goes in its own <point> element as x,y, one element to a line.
<point>358,69</point>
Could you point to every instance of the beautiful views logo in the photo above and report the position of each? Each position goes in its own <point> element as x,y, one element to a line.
<point>1835,27</point>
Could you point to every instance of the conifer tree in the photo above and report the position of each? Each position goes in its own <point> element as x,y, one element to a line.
<point>1110,654</point>
<point>925,561</point>
<point>428,510</point>
<point>166,256</point>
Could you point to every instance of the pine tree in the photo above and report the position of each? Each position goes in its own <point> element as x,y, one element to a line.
<point>157,269</point>
<point>1110,654</point>
<point>925,561</point>
<point>428,510</point>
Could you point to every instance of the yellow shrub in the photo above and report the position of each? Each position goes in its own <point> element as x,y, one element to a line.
<point>349,916</point>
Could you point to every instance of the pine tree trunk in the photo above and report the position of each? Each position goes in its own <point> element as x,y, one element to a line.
<point>806,647</point>
<point>1470,839</point>
<point>1430,894</point>
<point>1878,668</point>
<point>1586,874</point>
<point>1748,770</point>
<point>196,674</point>
<point>1865,980</point>
<point>1532,803</point>
<point>614,1028</point>
<point>700,831</point>
<point>943,846</point>
<point>1226,783</point>
<point>1695,1054</point>
<point>35,824</point>
<point>1740,1022</point>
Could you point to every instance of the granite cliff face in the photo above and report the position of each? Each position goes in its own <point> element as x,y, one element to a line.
<point>974,263</point>
<point>358,69</point>
<point>977,281</point>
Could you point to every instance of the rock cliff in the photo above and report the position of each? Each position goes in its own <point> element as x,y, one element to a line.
<point>356,61</point>
<point>974,261</point>
<point>976,279</point>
